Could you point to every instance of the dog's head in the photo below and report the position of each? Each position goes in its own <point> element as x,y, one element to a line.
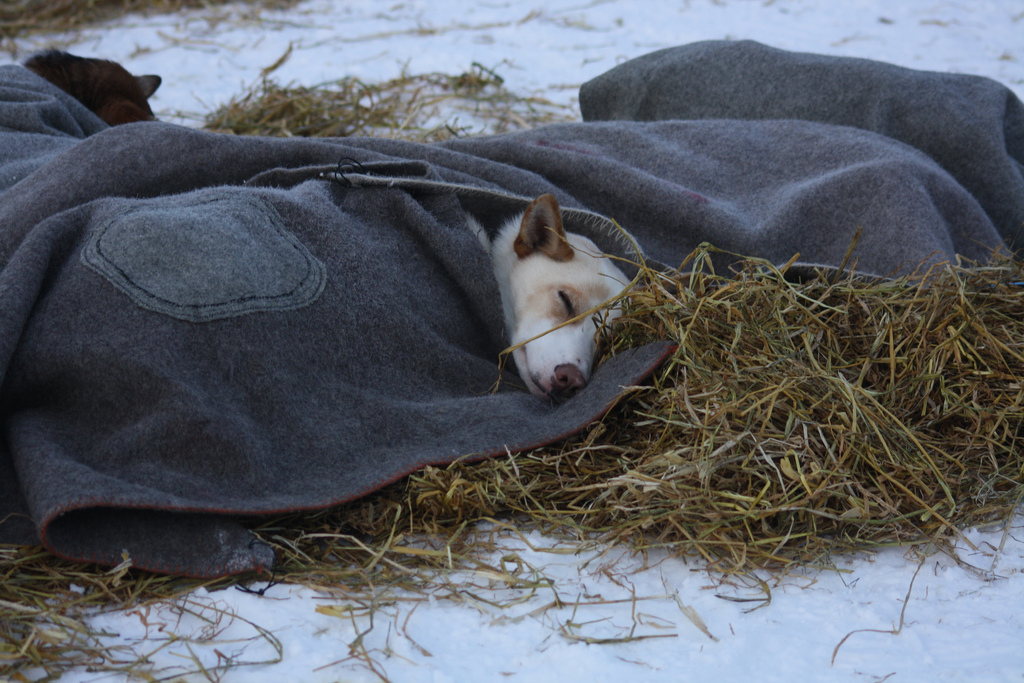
<point>557,282</point>
<point>105,87</point>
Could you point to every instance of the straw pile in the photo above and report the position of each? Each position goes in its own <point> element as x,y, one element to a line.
<point>795,420</point>
<point>25,17</point>
<point>421,108</point>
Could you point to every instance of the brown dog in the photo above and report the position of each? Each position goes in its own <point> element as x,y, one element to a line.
<point>105,87</point>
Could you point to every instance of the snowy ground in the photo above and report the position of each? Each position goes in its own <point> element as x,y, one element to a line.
<point>959,623</point>
<point>600,615</point>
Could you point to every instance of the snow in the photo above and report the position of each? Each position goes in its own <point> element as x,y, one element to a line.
<point>960,622</point>
<point>601,613</point>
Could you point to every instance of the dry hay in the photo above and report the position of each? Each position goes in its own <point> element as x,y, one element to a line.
<point>421,108</point>
<point>794,420</point>
<point>20,18</point>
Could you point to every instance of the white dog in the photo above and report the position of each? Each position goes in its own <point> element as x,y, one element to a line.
<point>551,282</point>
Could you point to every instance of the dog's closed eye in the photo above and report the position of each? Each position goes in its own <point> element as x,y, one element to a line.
<point>567,302</point>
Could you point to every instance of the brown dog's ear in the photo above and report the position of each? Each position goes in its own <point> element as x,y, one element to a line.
<point>149,84</point>
<point>542,230</point>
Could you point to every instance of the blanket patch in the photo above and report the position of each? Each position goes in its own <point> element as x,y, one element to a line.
<point>205,257</point>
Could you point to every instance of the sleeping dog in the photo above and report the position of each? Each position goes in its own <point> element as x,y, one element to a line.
<point>553,285</point>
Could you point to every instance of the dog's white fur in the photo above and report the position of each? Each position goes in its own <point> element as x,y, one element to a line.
<point>548,277</point>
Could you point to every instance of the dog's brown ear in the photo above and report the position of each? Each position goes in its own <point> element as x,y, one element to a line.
<point>149,83</point>
<point>542,231</point>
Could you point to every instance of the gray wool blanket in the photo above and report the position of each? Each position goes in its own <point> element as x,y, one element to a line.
<point>196,329</point>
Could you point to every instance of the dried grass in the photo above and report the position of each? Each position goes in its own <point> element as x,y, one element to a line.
<point>20,18</point>
<point>794,421</point>
<point>421,108</point>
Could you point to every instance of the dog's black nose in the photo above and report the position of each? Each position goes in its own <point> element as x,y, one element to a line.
<point>567,380</point>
